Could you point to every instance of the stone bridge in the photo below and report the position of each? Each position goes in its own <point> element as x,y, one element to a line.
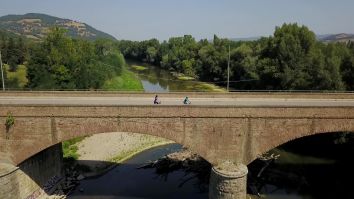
<point>228,130</point>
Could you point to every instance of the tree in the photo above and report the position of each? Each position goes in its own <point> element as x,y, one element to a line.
<point>12,55</point>
<point>188,67</point>
<point>22,50</point>
<point>208,63</point>
<point>103,47</point>
<point>151,54</point>
<point>347,69</point>
<point>286,57</point>
<point>243,66</point>
<point>52,62</point>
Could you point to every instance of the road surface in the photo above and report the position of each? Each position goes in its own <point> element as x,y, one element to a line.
<point>175,101</point>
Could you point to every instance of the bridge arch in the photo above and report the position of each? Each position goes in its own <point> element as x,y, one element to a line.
<point>47,132</point>
<point>288,131</point>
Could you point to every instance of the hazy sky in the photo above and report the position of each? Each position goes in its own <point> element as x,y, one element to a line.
<point>145,19</point>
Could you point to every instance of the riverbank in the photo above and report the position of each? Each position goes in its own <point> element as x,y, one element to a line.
<point>104,150</point>
<point>127,81</point>
<point>156,79</point>
<point>100,151</point>
<point>97,154</point>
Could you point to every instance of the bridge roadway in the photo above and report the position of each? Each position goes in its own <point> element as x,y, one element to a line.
<point>176,101</point>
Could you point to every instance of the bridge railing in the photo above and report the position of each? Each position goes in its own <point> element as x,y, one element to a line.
<point>173,91</point>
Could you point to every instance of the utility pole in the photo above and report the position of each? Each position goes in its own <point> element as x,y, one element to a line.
<point>2,74</point>
<point>228,71</point>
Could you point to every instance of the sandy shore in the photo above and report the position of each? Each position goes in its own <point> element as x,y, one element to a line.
<point>100,150</point>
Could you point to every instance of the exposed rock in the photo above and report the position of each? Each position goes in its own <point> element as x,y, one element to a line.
<point>80,177</point>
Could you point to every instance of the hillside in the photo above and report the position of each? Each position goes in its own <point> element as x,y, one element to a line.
<point>245,39</point>
<point>338,38</point>
<point>342,37</point>
<point>35,26</point>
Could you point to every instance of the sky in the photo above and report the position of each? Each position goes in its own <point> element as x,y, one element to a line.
<point>162,19</point>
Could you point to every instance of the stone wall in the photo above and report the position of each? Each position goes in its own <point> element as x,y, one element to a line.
<point>33,177</point>
<point>238,134</point>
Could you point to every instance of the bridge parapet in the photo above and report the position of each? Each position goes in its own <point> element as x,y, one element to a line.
<point>239,134</point>
<point>243,94</point>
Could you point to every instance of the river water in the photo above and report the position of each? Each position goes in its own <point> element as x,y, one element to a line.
<point>155,79</point>
<point>127,182</point>
<point>308,170</point>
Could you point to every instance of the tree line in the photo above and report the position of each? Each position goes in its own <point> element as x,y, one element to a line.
<point>60,62</point>
<point>13,49</point>
<point>291,59</point>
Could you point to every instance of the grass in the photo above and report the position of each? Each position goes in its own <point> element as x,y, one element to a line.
<point>70,148</point>
<point>186,78</point>
<point>200,86</point>
<point>206,87</point>
<point>181,76</point>
<point>70,155</point>
<point>210,87</point>
<point>139,68</point>
<point>19,77</point>
<point>126,81</point>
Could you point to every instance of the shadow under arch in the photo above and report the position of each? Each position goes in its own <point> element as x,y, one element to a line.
<point>127,181</point>
<point>313,166</point>
<point>40,180</point>
<point>269,134</point>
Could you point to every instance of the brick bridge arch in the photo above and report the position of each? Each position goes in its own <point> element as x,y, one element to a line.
<point>217,133</point>
<point>280,143</point>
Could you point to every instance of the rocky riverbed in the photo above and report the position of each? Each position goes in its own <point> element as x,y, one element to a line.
<point>100,153</point>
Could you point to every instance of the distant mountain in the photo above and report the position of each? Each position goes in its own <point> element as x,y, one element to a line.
<point>342,37</point>
<point>245,39</point>
<point>320,37</point>
<point>36,26</point>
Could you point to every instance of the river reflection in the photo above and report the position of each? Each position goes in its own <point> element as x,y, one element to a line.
<point>127,182</point>
<point>155,79</point>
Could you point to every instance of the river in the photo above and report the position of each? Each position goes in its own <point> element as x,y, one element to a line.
<point>306,169</point>
<point>128,182</point>
<point>155,79</point>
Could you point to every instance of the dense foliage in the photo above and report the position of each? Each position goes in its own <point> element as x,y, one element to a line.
<point>60,62</point>
<point>292,59</point>
<point>14,49</point>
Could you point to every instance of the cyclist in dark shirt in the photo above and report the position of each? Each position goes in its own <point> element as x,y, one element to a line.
<point>156,100</point>
<point>186,101</point>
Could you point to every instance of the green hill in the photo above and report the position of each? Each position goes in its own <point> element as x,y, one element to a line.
<point>35,26</point>
<point>342,37</point>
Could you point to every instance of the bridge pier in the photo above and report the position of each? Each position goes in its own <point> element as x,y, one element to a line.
<point>228,181</point>
<point>33,178</point>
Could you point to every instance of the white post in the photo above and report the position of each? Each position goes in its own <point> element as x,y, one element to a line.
<point>2,74</point>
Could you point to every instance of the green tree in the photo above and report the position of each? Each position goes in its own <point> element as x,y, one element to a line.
<point>188,67</point>
<point>151,53</point>
<point>243,67</point>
